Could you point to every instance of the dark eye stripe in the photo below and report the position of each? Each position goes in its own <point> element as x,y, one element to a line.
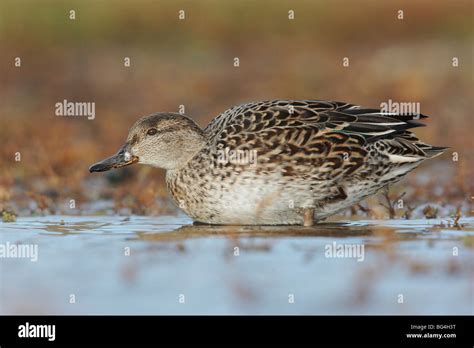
<point>134,140</point>
<point>151,131</point>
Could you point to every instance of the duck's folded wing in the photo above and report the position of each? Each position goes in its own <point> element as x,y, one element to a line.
<point>314,117</point>
<point>321,116</point>
<point>329,135</point>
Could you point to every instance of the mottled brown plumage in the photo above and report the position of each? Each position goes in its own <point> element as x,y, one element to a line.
<point>271,162</point>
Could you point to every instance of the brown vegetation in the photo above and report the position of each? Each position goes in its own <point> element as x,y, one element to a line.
<point>191,63</point>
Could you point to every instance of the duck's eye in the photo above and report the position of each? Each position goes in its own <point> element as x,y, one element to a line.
<point>151,131</point>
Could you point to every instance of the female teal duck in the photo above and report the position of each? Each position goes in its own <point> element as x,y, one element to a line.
<point>275,162</point>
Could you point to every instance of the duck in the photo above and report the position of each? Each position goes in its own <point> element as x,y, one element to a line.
<point>276,162</point>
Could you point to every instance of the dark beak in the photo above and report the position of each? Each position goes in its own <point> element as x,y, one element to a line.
<point>120,159</point>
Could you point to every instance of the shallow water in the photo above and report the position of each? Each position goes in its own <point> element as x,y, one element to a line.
<point>278,270</point>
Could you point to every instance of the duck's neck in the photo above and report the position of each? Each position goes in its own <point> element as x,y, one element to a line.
<point>182,148</point>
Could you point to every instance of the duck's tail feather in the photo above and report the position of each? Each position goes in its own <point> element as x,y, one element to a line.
<point>434,151</point>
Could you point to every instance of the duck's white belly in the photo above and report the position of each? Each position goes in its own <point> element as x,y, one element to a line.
<point>245,200</point>
<point>261,200</point>
<point>264,200</point>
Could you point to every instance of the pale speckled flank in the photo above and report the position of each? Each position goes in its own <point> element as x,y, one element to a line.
<point>311,156</point>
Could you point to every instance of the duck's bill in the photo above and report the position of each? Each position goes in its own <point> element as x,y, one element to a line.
<point>120,159</point>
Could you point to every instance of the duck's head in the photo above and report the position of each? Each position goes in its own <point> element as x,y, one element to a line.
<point>164,140</point>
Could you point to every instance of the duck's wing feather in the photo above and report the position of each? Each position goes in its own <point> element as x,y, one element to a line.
<point>324,116</point>
<point>323,139</point>
<point>300,122</point>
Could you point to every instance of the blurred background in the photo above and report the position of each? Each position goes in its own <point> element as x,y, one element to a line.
<point>190,62</point>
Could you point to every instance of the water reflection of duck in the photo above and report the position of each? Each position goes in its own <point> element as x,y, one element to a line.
<point>275,162</point>
<point>335,230</point>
